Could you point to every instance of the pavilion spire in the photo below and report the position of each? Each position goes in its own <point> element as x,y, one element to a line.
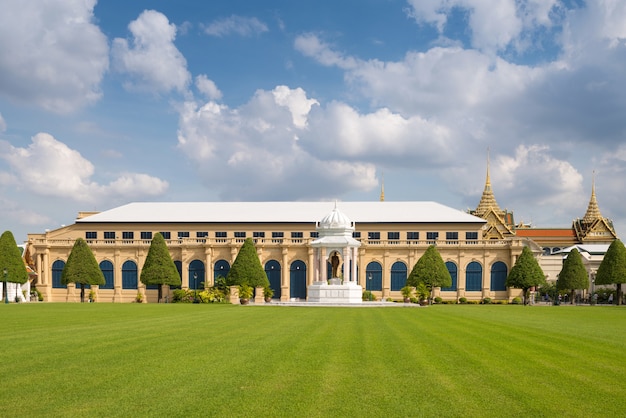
<point>488,200</point>
<point>382,188</point>
<point>593,211</point>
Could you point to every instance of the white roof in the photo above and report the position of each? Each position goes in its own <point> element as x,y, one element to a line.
<point>280,212</point>
<point>586,248</point>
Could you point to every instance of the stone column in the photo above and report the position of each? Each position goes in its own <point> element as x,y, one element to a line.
<point>323,269</point>
<point>284,273</point>
<point>355,257</point>
<point>346,264</point>
<point>311,268</point>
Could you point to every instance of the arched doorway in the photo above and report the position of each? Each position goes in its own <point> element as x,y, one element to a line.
<point>398,275</point>
<point>129,275</point>
<point>221,268</point>
<point>374,276</point>
<point>107,270</point>
<point>57,271</point>
<point>196,275</point>
<point>453,270</point>
<point>473,277</point>
<point>498,276</point>
<point>297,280</point>
<point>272,270</point>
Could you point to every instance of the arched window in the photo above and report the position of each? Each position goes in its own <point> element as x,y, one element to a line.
<point>196,275</point>
<point>498,276</point>
<point>398,275</point>
<point>297,280</point>
<point>57,271</point>
<point>107,270</point>
<point>272,270</point>
<point>473,277</point>
<point>452,269</point>
<point>374,276</point>
<point>221,269</point>
<point>129,275</point>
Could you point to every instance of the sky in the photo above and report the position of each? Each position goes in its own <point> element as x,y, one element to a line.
<point>106,103</point>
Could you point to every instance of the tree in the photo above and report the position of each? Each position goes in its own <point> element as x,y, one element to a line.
<point>11,260</point>
<point>573,275</point>
<point>247,268</point>
<point>612,269</point>
<point>159,267</point>
<point>526,273</point>
<point>430,270</point>
<point>82,268</point>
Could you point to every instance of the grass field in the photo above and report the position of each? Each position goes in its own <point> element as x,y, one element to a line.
<point>228,360</point>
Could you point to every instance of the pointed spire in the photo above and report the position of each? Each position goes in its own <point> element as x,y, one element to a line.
<point>382,188</point>
<point>488,200</point>
<point>593,211</point>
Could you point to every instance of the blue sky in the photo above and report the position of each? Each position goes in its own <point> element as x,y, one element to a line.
<point>107,103</point>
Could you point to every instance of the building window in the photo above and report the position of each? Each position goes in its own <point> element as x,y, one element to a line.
<point>413,236</point>
<point>356,234</point>
<point>91,235</point>
<point>220,234</point>
<point>258,234</point>
<point>202,234</point>
<point>109,236</point>
<point>315,234</point>
<point>146,235</point>
<point>452,236</point>
<point>393,235</point>
<point>166,235</point>
<point>240,234</point>
<point>128,235</point>
<point>471,236</point>
<point>373,235</point>
<point>432,237</point>
<point>296,235</point>
<point>183,234</point>
<point>278,234</point>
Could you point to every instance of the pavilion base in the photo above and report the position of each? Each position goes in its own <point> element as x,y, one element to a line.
<point>335,292</point>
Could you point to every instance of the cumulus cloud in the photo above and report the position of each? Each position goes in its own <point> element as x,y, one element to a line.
<point>48,167</point>
<point>494,25</point>
<point>52,55</point>
<point>312,46</point>
<point>239,25</point>
<point>152,59</point>
<point>253,152</point>
<point>208,88</point>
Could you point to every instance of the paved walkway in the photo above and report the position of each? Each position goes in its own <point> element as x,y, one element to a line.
<point>340,305</point>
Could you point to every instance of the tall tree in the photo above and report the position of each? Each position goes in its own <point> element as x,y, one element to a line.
<point>11,260</point>
<point>526,273</point>
<point>612,269</point>
<point>430,270</point>
<point>573,275</point>
<point>159,267</point>
<point>82,268</point>
<point>247,268</point>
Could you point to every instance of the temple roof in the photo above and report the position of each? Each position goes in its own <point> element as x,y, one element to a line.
<point>488,200</point>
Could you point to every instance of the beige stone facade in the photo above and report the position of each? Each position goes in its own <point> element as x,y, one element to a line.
<point>204,250</point>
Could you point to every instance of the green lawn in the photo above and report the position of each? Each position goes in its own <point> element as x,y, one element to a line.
<point>227,360</point>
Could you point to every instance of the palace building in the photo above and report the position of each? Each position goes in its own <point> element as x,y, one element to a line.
<point>479,247</point>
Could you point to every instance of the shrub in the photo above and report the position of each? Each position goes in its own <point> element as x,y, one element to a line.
<point>438,300</point>
<point>414,300</point>
<point>368,296</point>
<point>486,301</point>
<point>516,301</point>
<point>182,296</point>
<point>463,300</point>
<point>473,302</point>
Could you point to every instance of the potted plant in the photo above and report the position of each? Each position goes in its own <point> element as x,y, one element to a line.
<point>407,292</point>
<point>267,294</point>
<point>245,293</point>
<point>139,297</point>
<point>92,296</point>
<point>422,293</point>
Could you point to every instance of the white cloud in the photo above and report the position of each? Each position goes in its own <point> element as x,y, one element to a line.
<point>253,152</point>
<point>208,87</point>
<point>153,60</point>
<point>52,55</point>
<point>48,167</point>
<point>3,124</point>
<point>312,46</point>
<point>239,25</point>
